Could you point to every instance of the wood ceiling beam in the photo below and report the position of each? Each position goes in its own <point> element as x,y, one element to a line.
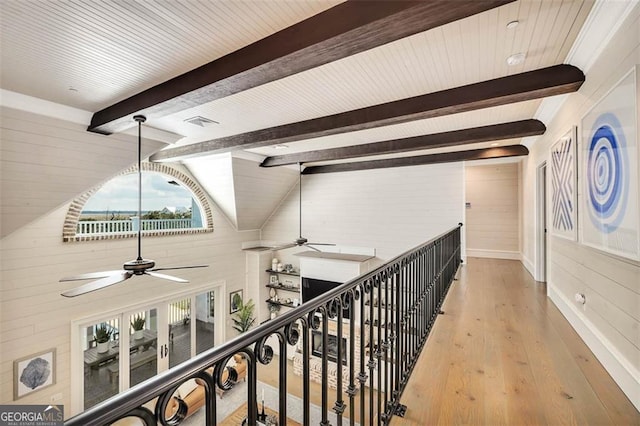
<point>446,157</point>
<point>550,81</point>
<point>343,30</point>
<point>495,132</point>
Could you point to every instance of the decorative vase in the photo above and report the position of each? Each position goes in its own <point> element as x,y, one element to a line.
<point>103,347</point>
<point>273,315</point>
<point>138,334</point>
<point>274,264</point>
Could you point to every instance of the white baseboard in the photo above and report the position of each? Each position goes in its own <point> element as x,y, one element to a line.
<point>494,254</point>
<point>622,372</point>
<point>528,264</point>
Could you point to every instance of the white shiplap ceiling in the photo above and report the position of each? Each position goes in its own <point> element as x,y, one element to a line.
<point>91,54</point>
<point>109,50</point>
<point>467,51</point>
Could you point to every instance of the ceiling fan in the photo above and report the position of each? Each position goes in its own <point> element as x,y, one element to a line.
<point>140,266</point>
<point>301,241</point>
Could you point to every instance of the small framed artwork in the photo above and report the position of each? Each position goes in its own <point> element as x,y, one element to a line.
<point>235,301</point>
<point>34,372</point>
<point>563,186</point>
<point>273,279</point>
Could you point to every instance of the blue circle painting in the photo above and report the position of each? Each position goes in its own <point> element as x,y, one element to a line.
<point>607,173</point>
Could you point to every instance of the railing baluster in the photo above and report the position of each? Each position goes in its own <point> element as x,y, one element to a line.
<point>306,376</point>
<point>252,397</point>
<point>325,367</point>
<point>362,376</point>
<point>382,323</point>
<point>372,346</point>
<point>85,227</point>
<point>351,389</point>
<point>389,323</point>
<point>282,389</point>
<point>339,405</point>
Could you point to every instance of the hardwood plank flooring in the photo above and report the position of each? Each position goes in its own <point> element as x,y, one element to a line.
<point>502,354</point>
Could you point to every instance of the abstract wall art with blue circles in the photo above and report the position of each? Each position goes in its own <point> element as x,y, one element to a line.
<point>609,198</point>
<point>563,186</point>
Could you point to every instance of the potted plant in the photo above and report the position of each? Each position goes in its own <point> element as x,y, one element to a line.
<point>273,310</point>
<point>102,337</point>
<point>138,326</point>
<point>243,319</point>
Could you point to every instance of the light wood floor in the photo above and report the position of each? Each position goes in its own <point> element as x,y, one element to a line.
<point>502,354</point>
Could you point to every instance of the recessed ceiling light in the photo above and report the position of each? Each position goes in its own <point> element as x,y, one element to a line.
<point>280,146</point>
<point>511,25</point>
<point>516,59</point>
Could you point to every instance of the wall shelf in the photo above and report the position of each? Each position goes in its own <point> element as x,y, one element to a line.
<point>288,305</point>
<point>293,274</point>
<point>284,287</point>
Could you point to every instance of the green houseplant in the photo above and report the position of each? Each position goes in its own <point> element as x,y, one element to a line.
<point>138,324</point>
<point>243,319</point>
<point>102,337</point>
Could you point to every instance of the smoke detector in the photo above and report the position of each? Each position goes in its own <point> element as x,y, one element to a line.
<point>516,59</point>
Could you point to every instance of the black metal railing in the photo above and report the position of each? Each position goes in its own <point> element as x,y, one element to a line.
<point>392,310</point>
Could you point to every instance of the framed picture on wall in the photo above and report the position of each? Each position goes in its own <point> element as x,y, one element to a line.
<point>235,301</point>
<point>33,373</point>
<point>610,218</point>
<point>564,186</point>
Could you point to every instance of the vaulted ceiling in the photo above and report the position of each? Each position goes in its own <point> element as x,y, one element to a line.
<point>318,82</point>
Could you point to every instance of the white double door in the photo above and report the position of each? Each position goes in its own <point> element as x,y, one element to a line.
<point>172,332</point>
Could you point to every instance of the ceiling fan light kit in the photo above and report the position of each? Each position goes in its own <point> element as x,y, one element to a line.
<point>139,266</point>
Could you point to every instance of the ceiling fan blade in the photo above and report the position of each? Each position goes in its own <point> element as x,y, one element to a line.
<point>178,267</point>
<point>284,247</point>
<point>312,248</point>
<point>166,277</point>
<point>99,284</point>
<point>91,275</point>
<point>321,244</point>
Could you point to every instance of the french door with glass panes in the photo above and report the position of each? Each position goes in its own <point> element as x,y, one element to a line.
<point>153,337</point>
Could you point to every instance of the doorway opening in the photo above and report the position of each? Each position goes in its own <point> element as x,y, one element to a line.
<point>116,350</point>
<point>541,223</point>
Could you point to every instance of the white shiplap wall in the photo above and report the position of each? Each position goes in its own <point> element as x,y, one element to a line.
<point>259,190</point>
<point>247,193</point>
<point>492,224</point>
<point>47,161</point>
<point>391,210</point>
<point>609,322</point>
<point>33,315</point>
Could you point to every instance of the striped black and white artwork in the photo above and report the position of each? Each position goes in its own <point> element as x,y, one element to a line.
<point>563,186</point>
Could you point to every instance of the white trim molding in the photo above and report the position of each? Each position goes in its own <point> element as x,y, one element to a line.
<point>494,254</point>
<point>528,264</point>
<point>622,372</point>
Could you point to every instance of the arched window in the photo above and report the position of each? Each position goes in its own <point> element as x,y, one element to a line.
<point>172,203</point>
